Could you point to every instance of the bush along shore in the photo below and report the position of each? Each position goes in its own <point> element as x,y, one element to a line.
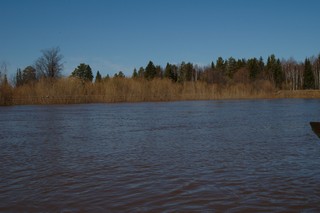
<point>229,78</point>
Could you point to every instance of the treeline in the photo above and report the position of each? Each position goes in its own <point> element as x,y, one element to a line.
<point>221,78</point>
<point>283,74</point>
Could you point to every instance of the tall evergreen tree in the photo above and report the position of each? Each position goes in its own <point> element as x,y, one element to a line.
<point>212,65</point>
<point>231,67</point>
<point>141,72</point>
<point>19,80</point>
<point>308,78</point>
<point>253,68</point>
<point>278,74</point>
<point>159,71</point>
<point>29,75</point>
<point>84,72</point>
<point>150,71</point>
<point>220,64</point>
<point>98,77</point>
<point>168,71</point>
<point>135,73</point>
<point>120,74</point>
<point>171,72</point>
<point>261,64</point>
<point>275,70</point>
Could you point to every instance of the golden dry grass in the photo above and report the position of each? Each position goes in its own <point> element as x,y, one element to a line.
<point>73,91</point>
<point>312,94</point>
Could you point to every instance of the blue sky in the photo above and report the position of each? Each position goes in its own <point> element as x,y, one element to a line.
<point>114,35</point>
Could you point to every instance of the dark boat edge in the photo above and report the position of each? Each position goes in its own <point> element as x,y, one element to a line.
<point>315,127</point>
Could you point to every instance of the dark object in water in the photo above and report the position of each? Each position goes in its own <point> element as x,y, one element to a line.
<point>316,128</point>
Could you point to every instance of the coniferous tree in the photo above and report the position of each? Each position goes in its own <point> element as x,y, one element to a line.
<point>29,75</point>
<point>220,65</point>
<point>19,80</point>
<point>98,77</point>
<point>212,65</point>
<point>231,67</point>
<point>308,78</point>
<point>135,73</point>
<point>275,70</point>
<point>5,91</point>
<point>84,72</point>
<point>150,71</point>
<point>253,68</point>
<point>120,74</point>
<point>107,77</point>
<point>167,71</point>
<point>261,64</point>
<point>159,71</point>
<point>141,72</point>
<point>170,72</point>
<point>278,74</point>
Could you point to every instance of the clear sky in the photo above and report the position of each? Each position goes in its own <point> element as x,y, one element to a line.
<point>114,35</point>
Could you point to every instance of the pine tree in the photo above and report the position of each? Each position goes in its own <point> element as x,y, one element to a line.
<point>84,72</point>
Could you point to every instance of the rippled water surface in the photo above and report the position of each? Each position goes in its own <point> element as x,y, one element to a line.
<point>235,156</point>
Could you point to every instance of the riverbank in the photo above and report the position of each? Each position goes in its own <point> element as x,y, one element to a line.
<point>74,91</point>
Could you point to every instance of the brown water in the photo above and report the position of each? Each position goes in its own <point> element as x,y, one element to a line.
<point>235,156</point>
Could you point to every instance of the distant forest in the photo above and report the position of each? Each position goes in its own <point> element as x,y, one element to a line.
<point>284,74</point>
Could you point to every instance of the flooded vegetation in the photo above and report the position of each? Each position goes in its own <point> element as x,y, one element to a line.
<point>236,156</point>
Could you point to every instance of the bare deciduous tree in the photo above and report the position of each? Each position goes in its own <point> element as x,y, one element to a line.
<point>49,65</point>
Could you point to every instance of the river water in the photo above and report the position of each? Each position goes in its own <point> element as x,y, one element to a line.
<point>212,156</point>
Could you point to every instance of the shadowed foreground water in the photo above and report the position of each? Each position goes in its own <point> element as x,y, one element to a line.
<point>235,156</point>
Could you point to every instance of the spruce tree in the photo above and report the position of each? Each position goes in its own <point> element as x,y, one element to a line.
<point>275,70</point>
<point>253,68</point>
<point>308,78</point>
<point>135,73</point>
<point>98,77</point>
<point>19,80</point>
<point>150,71</point>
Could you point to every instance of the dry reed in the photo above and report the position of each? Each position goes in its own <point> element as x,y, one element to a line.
<point>74,91</point>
